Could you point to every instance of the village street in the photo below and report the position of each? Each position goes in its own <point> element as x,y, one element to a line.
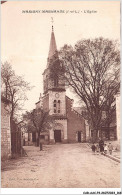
<point>61,166</point>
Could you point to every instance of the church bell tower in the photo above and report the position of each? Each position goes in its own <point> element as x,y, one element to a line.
<point>54,82</point>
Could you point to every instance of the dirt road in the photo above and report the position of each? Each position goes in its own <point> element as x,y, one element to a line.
<point>61,166</point>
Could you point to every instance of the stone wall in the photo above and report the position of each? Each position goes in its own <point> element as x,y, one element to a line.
<point>5,132</point>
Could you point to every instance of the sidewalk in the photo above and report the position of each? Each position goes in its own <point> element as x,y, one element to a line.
<point>112,157</point>
<point>116,149</point>
<point>116,155</point>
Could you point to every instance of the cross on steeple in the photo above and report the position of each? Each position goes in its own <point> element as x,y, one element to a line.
<point>53,47</point>
<point>52,22</point>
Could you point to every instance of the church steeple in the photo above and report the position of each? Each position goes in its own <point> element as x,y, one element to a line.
<point>53,47</point>
<point>53,76</point>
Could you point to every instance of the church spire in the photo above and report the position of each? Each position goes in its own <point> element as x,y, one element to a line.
<point>53,75</point>
<point>53,47</point>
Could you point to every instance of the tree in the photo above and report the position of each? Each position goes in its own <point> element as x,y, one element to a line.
<point>92,70</point>
<point>110,115</point>
<point>13,88</point>
<point>38,121</point>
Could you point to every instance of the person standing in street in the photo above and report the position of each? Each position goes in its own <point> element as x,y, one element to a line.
<point>105,148</point>
<point>110,147</point>
<point>101,145</point>
<point>97,149</point>
<point>93,147</point>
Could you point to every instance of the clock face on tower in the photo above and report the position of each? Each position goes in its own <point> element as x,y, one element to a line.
<point>57,95</point>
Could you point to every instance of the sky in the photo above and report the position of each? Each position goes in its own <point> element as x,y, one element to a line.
<point>25,37</point>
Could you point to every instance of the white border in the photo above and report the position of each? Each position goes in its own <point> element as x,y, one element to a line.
<point>61,190</point>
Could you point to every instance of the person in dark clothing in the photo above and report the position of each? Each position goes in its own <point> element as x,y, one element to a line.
<point>97,148</point>
<point>93,147</point>
<point>101,145</point>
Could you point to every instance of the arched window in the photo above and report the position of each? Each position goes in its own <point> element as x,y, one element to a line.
<point>56,105</point>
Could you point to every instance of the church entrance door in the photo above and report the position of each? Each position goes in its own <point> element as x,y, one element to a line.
<point>79,136</point>
<point>57,135</point>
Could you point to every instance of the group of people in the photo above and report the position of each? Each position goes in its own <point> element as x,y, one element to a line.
<point>102,148</point>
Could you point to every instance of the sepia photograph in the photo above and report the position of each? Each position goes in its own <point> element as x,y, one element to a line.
<point>60,94</point>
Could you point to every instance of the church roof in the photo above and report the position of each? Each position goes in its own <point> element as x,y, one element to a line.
<point>53,47</point>
<point>59,117</point>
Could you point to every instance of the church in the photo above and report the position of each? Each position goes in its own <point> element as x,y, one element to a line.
<point>69,126</point>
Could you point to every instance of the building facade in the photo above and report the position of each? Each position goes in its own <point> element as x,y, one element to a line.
<point>69,125</point>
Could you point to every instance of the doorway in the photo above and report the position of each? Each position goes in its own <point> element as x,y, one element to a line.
<point>57,135</point>
<point>79,136</point>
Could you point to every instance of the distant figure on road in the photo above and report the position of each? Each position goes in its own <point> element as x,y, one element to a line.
<point>93,147</point>
<point>110,147</point>
<point>101,145</point>
<point>105,148</point>
<point>97,149</point>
